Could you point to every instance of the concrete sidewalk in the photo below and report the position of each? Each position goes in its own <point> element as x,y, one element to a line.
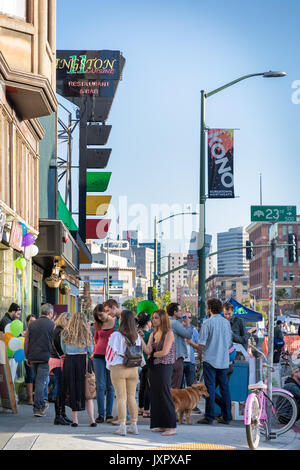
<point>23,431</point>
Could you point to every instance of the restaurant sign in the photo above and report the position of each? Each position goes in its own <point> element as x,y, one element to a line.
<point>81,73</point>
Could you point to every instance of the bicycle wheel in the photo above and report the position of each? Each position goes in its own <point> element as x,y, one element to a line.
<point>253,429</point>
<point>284,412</point>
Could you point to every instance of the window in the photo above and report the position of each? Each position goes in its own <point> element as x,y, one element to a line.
<point>284,230</point>
<point>290,229</point>
<point>14,8</point>
<point>285,277</point>
<point>291,276</point>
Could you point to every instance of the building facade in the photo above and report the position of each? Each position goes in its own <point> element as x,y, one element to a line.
<point>27,92</point>
<point>287,274</point>
<point>224,286</point>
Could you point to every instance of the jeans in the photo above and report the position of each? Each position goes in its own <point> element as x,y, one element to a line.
<point>212,378</point>
<point>41,373</point>
<point>56,391</point>
<point>189,374</point>
<point>103,385</point>
<point>218,399</point>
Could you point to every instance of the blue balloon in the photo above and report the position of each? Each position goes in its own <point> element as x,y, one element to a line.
<point>19,356</point>
<point>24,228</point>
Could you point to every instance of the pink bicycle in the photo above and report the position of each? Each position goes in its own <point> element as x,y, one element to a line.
<point>283,412</point>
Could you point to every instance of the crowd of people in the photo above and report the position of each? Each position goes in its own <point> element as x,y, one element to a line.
<point>122,350</point>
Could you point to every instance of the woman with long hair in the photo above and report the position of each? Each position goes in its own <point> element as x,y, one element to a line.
<point>124,378</point>
<point>104,326</point>
<point>162,352</point>
<point>55,368</point>
<point>77,344</point>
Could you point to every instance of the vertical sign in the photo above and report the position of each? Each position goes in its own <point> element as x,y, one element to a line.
<point>220,163</point>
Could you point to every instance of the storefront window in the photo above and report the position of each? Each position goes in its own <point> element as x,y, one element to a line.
<point>14,8</point>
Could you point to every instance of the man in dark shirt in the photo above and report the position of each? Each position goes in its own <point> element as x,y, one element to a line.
<point>14,313</point>
<point>38,348</point>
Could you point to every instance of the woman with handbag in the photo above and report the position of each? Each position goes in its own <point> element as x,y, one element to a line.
<point>55,368</point>
<point>104,326</point>
<point>162,354</point>
<point>123,355</point>
<point>77,344</point>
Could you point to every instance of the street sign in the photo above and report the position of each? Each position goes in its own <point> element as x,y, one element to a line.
<point>273,214</point>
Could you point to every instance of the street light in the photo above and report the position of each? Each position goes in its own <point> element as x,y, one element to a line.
<point>202,198</point>
<point>155,239</point>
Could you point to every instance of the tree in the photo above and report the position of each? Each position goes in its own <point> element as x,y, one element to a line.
<point>131,304</point>
<point>280,294</point>
<point>86,304</point>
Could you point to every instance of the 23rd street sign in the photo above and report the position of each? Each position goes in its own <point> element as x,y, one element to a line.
<point>273,214</point>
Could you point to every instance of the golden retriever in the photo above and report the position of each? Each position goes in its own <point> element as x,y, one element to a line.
<point>186,399</point>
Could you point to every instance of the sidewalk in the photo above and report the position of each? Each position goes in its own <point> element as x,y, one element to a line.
<point>25,432</point>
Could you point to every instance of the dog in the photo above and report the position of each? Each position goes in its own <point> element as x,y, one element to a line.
<point>186,399</point>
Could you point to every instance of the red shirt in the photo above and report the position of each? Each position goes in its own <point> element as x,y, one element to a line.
<point>101,339</point>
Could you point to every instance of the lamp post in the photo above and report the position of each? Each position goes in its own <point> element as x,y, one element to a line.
<point>202,198</point>
<point>155,239</point>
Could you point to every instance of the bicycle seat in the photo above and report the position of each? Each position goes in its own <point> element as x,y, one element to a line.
<point>258,386</point>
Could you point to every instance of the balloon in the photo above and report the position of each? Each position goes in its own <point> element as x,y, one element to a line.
<point>28,239</point>
<point>7,328</point>
<point>10,353</point>
<point>19,355</point>
<point>7,338</point>
<point>32,251</point>
<point>21,263</point>
<point>24,228</point>
<point>22,339</point>
<point>147,306</point>
<point>16,327</point>
<point>15,344</point>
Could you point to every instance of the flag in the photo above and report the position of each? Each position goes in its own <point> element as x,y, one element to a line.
<point>244,312</point>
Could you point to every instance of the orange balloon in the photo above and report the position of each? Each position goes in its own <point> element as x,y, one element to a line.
<point>7,338</point>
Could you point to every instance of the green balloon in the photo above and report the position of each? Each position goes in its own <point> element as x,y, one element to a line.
<point>16,327</point>
<point>21,263</point>
<point>10,353</point>
<point>147,306</point>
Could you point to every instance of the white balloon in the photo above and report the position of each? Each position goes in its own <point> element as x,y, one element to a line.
<point>7,328</point>
<point>14,344</point>
<point>32,250</point>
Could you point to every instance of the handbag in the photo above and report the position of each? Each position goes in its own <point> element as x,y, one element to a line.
<point>90,383</point>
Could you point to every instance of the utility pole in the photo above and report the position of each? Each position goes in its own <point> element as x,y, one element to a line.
<point>271,328</point>
<point>107,268</point>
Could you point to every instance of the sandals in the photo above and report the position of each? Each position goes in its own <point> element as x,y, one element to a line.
<point>169,432</point>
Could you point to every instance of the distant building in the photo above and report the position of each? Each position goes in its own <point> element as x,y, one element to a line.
<point>232,261</point>
<point>287,274</point>
<point>224,286</point>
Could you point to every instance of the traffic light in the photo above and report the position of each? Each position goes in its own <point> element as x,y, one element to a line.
<point>150,294</point>
<point>110,281</point>
<point>249,250</point>
<point>292,249</point>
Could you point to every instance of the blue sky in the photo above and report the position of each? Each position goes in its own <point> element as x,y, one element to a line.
<point>173,49</point>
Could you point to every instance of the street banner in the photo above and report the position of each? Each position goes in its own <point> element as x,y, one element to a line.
<point>220,163</point>
<point>244,312</point>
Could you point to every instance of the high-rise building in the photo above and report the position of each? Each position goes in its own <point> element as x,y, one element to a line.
<point>232,262</point>
<point>178,278</point>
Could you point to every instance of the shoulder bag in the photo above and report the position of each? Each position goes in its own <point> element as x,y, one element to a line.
<point>90,383</point>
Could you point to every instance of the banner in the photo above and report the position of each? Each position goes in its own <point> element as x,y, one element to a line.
<point>220,163</point>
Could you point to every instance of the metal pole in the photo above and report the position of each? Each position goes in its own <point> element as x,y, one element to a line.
<point>155,254</point>
<point>107,269</point>
<point>202,200</point>
<point>271,328</point>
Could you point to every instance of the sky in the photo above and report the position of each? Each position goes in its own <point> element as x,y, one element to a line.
<point>173,50</point>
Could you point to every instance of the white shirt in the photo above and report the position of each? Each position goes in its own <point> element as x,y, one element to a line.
<point>116,348</point>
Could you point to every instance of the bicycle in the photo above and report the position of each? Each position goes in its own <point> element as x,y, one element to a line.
<point>283,411</point>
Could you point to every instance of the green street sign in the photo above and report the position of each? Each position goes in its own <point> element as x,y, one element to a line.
<point>273,214</point>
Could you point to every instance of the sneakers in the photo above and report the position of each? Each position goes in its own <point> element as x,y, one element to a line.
<point>204,421</point>
<point>39,413</point>
<point>121,431</point>
<point>100,419</point>
<point>133,429</point>
<point>221,420</point>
